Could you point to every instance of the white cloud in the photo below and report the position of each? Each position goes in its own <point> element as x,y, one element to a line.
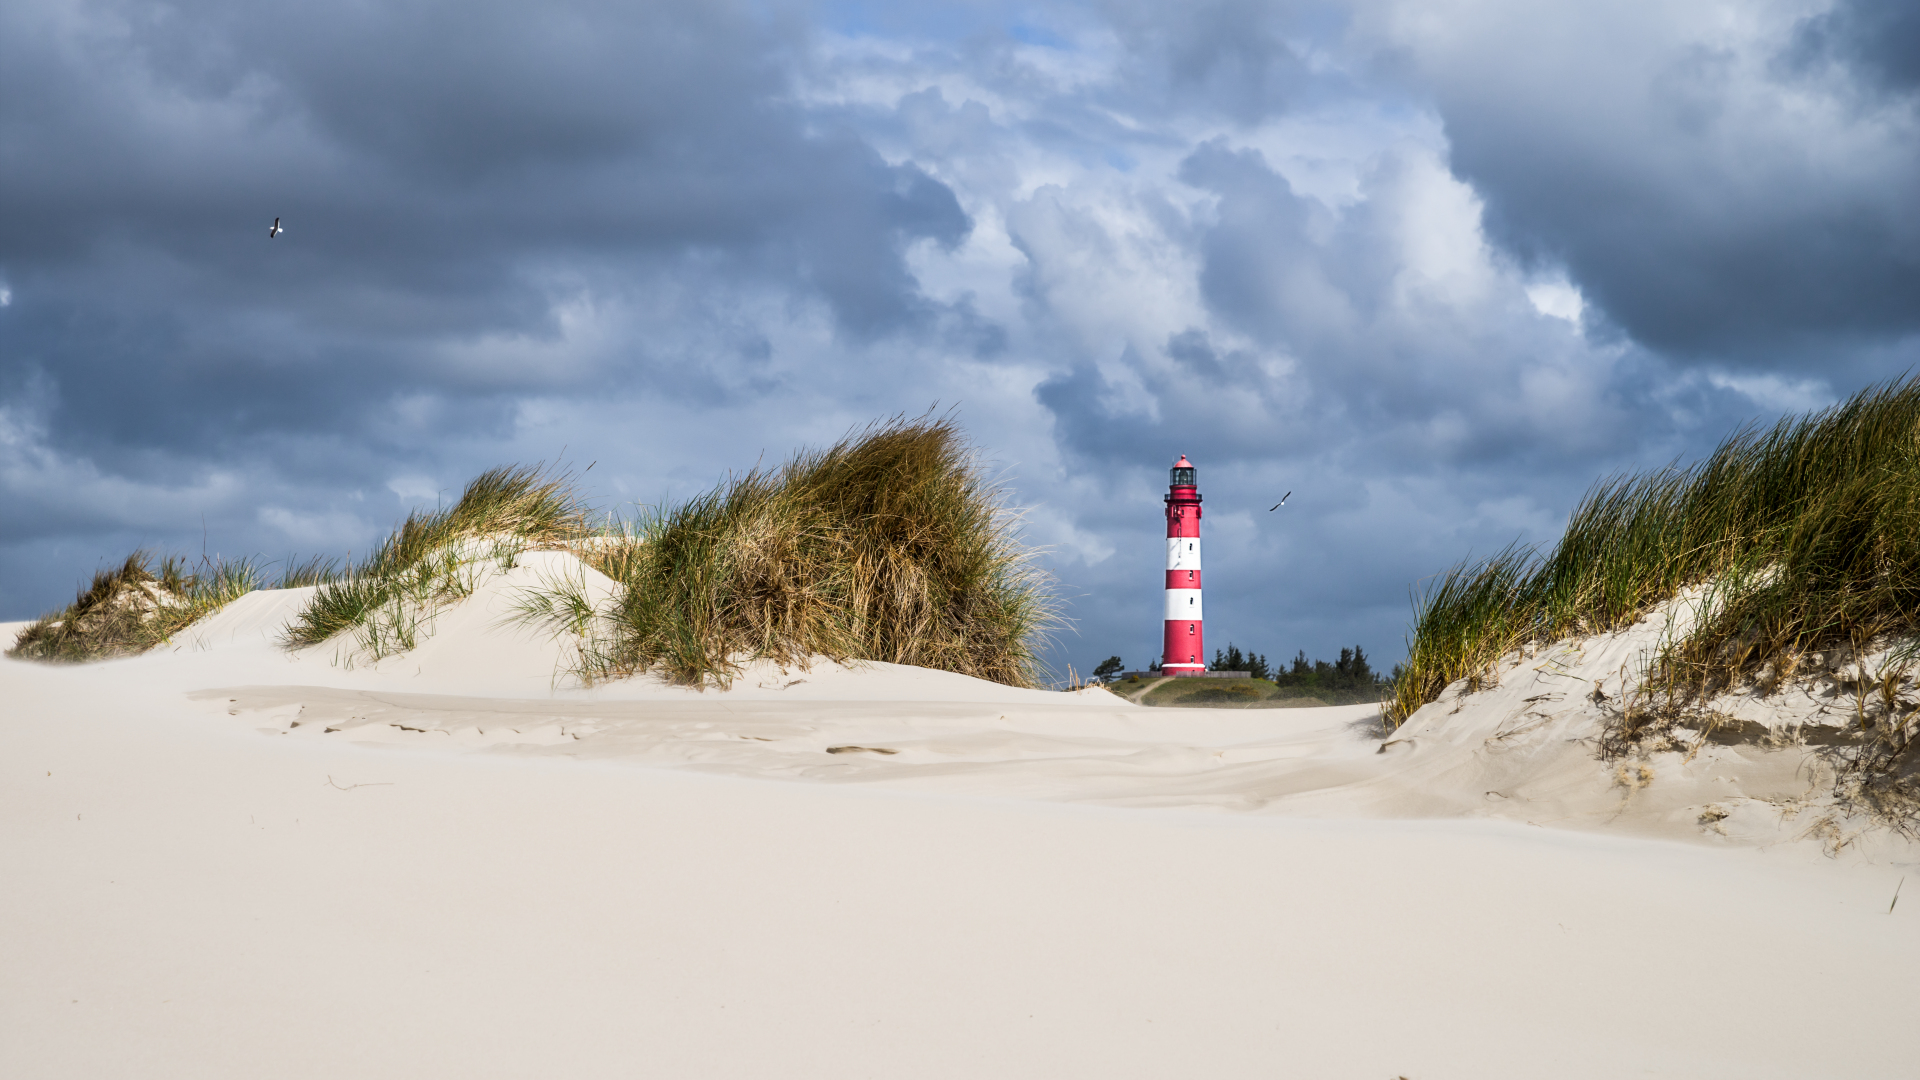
<point>1557,298</point>
<point>1775,393</point>
<point>416,489</point>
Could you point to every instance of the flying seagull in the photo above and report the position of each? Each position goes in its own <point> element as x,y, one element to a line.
<point>1281,503</point>
<point>276,230</point>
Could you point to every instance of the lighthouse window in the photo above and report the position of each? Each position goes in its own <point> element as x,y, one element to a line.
<point>1189,599</point>
<point>1189,575</point>
<point>1189,628</point>
<point>1189,547</point>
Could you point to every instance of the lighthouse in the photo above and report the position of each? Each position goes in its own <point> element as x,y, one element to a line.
<point>1186,652</point>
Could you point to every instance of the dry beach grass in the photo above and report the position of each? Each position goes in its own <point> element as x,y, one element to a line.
<point>133,607</point>
<point>890,545</point>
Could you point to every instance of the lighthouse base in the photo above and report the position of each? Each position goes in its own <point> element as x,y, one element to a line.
<point>1183,649</point>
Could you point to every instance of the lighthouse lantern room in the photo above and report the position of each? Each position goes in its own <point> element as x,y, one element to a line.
<point>1185,652</point>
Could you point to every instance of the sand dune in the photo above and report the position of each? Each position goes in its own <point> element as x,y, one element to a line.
<point>227,859</point>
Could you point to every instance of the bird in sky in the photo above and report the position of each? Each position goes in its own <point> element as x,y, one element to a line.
<point>1281,503</point>
<point>276,230</point>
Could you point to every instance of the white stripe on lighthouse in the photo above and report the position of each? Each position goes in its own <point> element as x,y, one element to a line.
<point>1183,605</point>
<point>1183,553</point>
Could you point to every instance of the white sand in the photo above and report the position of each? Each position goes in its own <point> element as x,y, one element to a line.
<point>482,873</point>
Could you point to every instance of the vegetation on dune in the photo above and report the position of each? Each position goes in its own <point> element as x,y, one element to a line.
<point>1804,539</point>
<point>137,605</point>
<point>890,545</point>
<point>134,607</point>
<point>428,560</point>
<point>317,570</point>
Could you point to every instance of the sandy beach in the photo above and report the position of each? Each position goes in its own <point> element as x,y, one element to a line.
<point>228,859</point>
<point>1245,540</point>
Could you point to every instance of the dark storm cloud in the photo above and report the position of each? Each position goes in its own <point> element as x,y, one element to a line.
<point>1221,56</point>
<point>432,161</point>
<point>1878,38</point>
<point>1716,201</point>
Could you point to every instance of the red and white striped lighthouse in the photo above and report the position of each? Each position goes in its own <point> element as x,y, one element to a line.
<point>1186,652</point>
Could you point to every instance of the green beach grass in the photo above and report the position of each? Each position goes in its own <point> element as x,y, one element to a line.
<point>431,559</point>
<point>1804,537</point>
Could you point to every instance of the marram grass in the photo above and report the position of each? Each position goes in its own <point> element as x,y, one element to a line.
<point>1805,534</point>
<point>890,545</point>
<point>428,559</point>
<point>134,607</point>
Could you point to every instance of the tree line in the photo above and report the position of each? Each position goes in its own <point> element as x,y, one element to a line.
<point>1349,679</point>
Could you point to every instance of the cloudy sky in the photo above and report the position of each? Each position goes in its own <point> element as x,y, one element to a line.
<point>1433,265</point>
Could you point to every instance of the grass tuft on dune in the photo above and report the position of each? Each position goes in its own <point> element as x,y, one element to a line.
<point>890,545</point>
<point>133,607</point>
<point>1803,537</point>
<point>427,560</point>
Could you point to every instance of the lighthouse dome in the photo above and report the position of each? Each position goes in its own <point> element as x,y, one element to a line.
<point>1183,472</point>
